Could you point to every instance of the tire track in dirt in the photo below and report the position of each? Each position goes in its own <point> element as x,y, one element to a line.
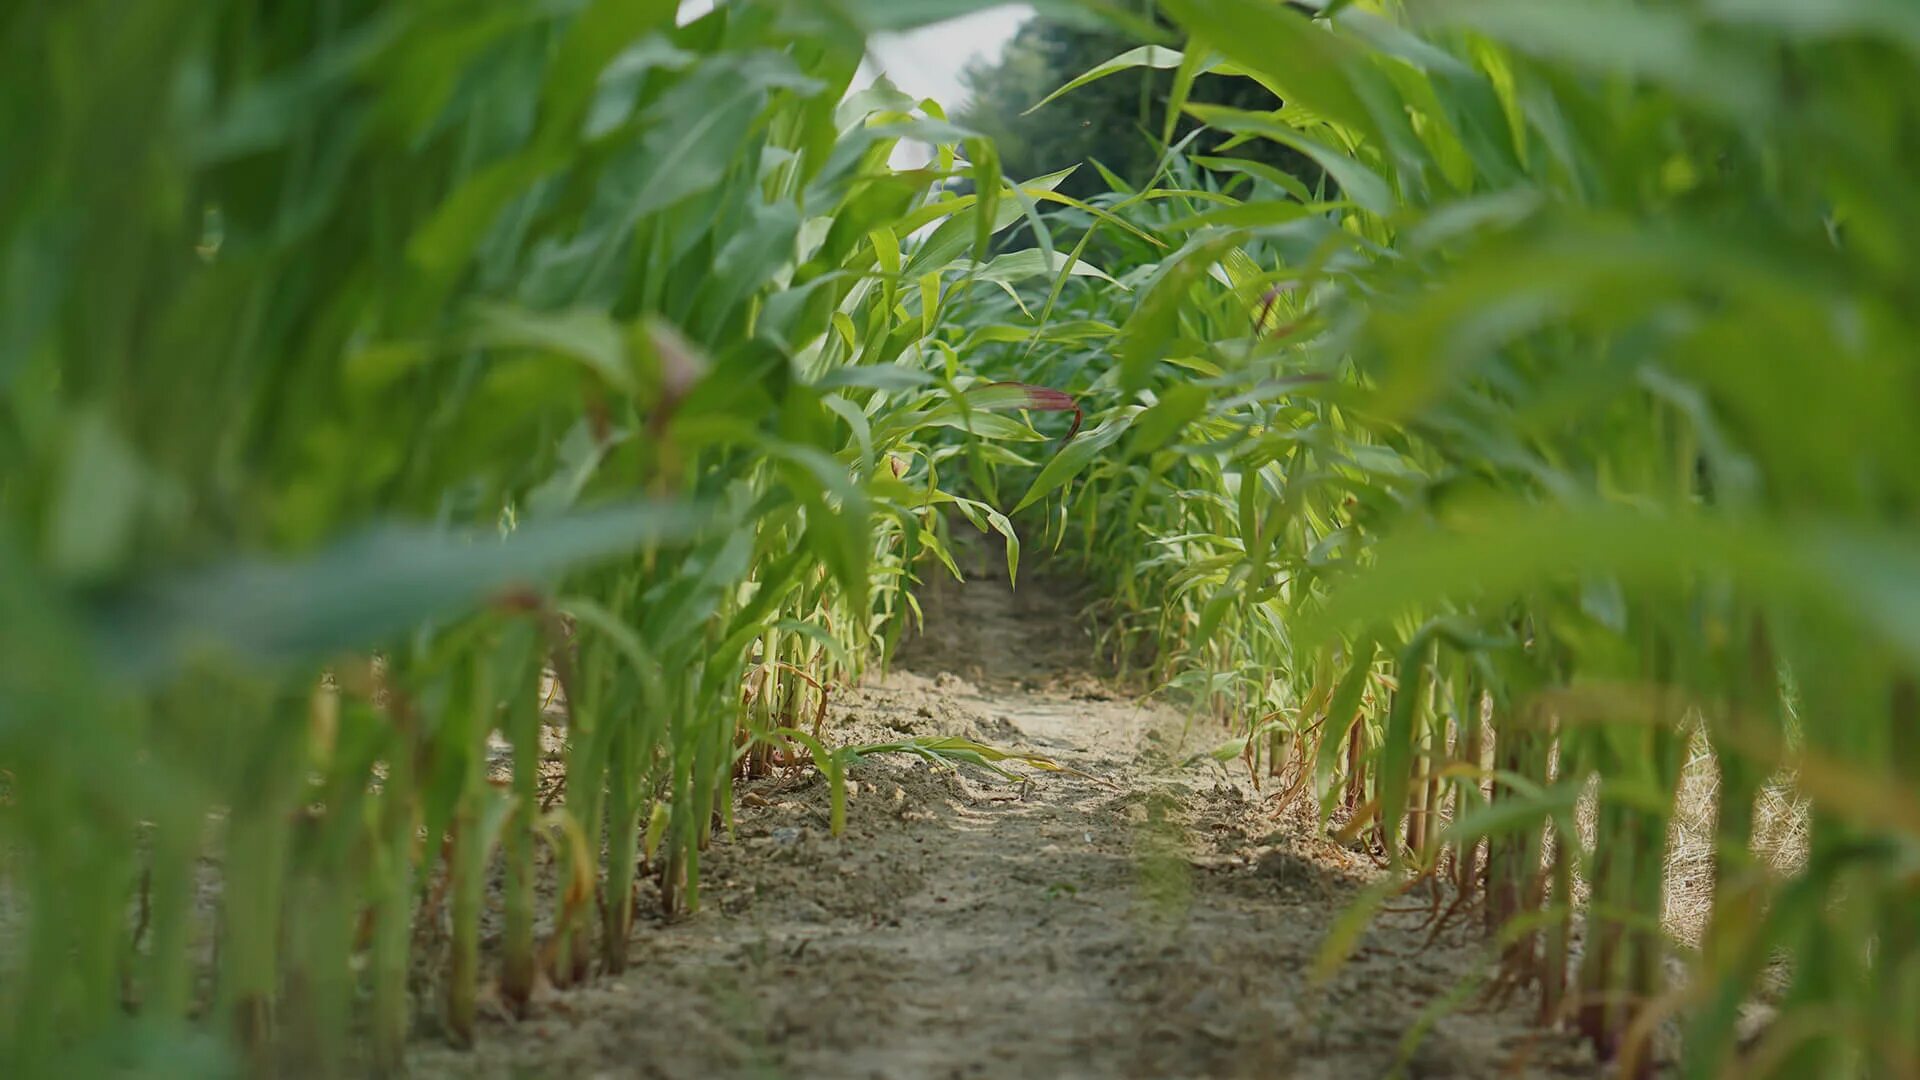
<point>1135,921</point>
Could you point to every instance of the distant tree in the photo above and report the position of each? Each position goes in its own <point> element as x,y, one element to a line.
<point>1116,121</point>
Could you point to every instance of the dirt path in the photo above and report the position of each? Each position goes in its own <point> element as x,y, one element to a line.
<point>1140,921</point>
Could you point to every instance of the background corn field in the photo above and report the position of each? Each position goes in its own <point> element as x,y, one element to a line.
<point>362,363</point>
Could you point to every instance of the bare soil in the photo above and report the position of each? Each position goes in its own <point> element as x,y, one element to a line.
<point>1131,919</point>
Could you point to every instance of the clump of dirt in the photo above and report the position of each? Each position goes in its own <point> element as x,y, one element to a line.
<point>1126,918</point>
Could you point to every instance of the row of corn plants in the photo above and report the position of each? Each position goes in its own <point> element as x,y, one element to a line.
<point>441,445</point>
<point>1560,425</point>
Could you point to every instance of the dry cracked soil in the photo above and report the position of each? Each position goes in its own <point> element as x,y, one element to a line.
<point>1129,918</point>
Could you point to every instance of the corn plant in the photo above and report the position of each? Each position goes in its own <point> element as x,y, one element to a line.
<point>1555,425</point>
<point>376,376</point>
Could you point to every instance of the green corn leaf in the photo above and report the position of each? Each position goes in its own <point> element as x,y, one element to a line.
<point>1358,182</point>
<point>1076,455</point>
<point>363,589</point>
<point>1147,56</point>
